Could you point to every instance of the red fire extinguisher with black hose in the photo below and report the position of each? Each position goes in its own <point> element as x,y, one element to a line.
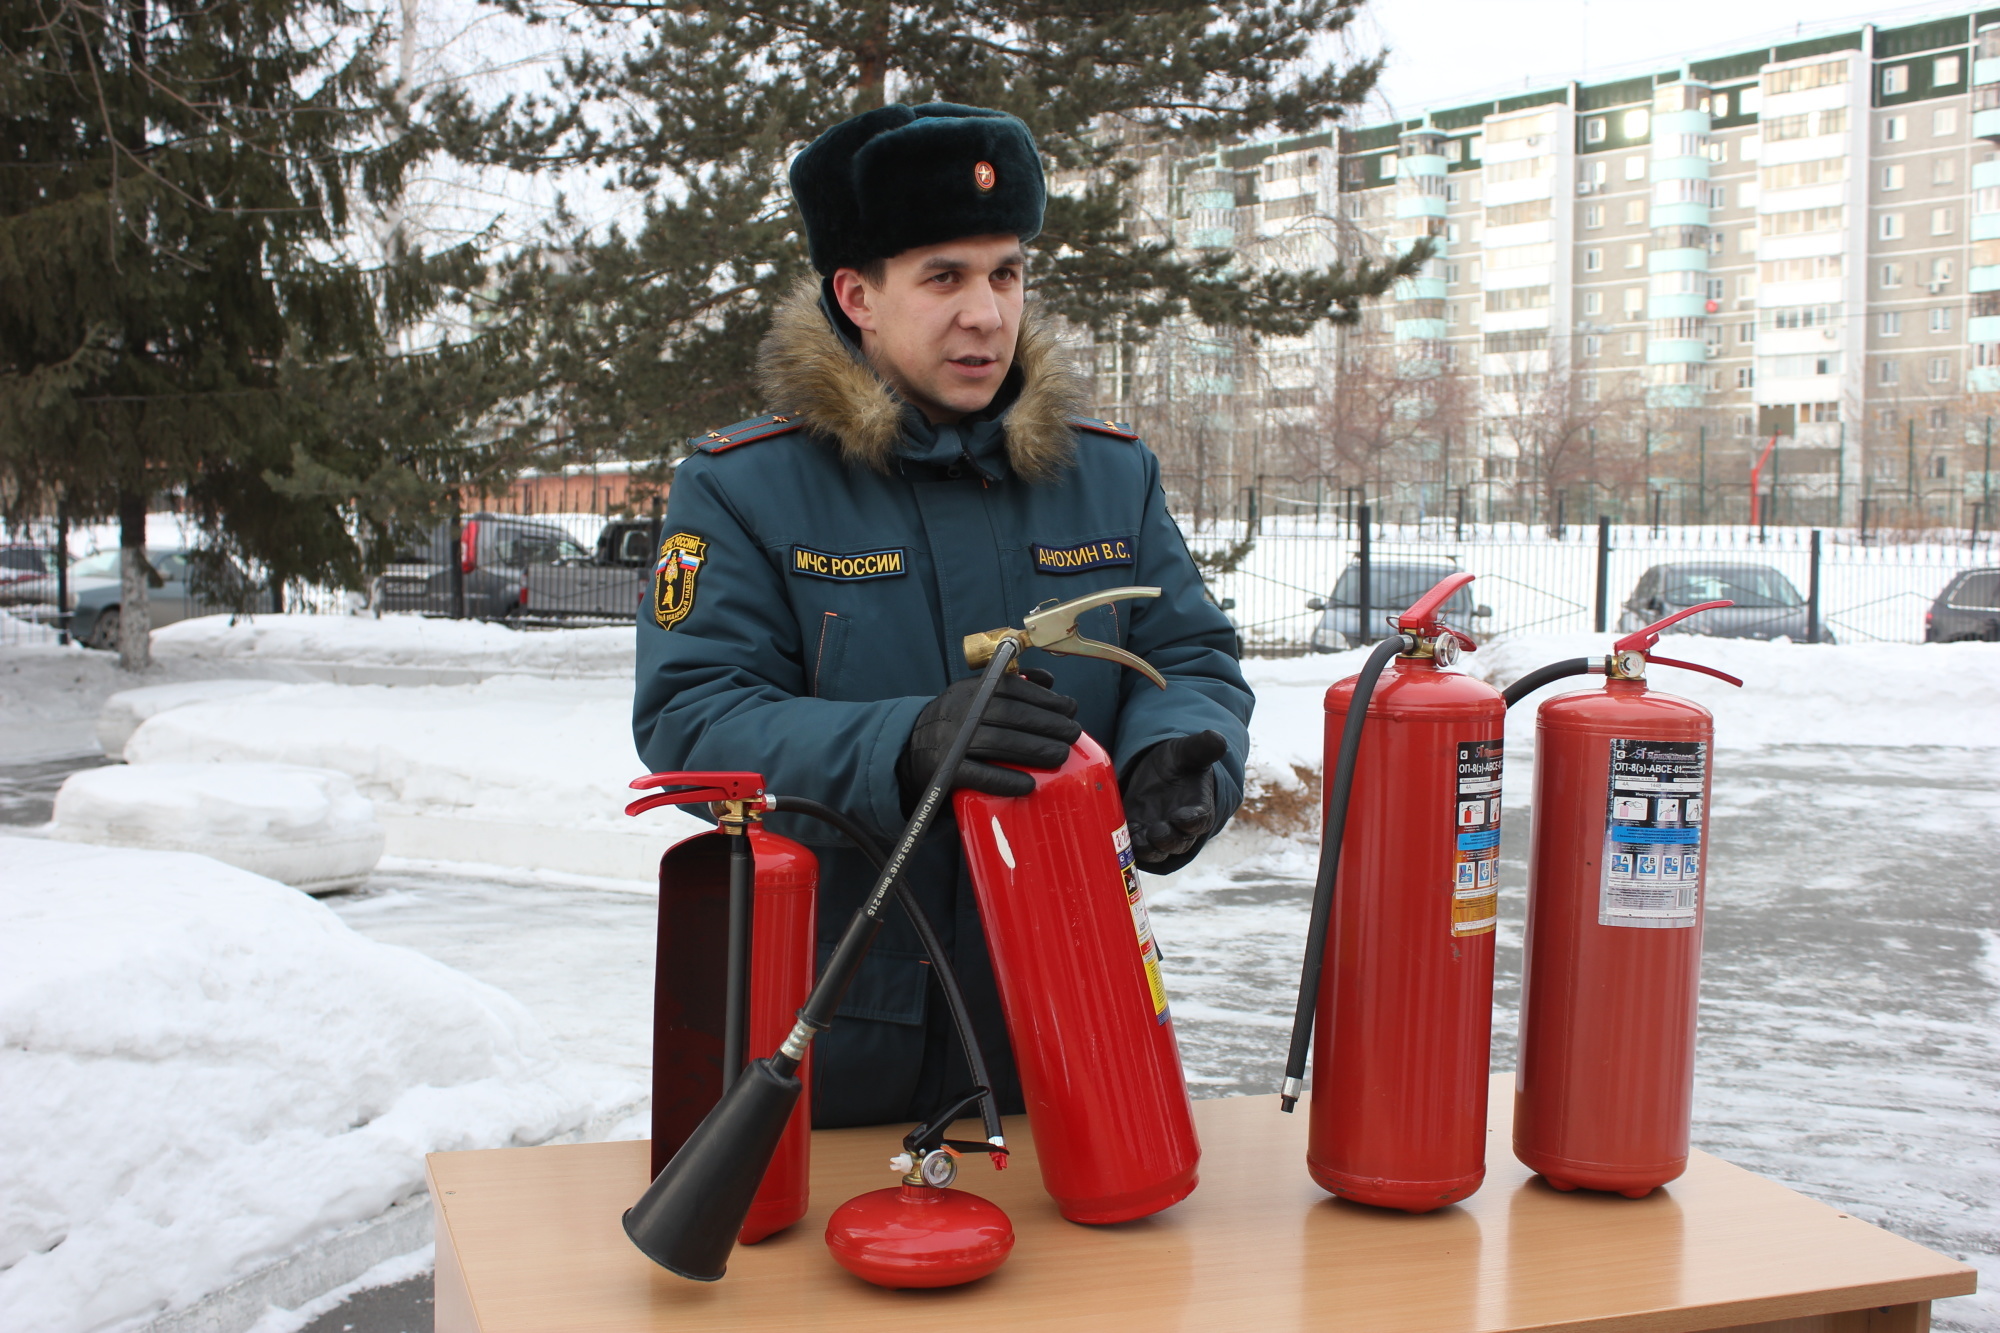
<point>1398,978</point>
<point>1078,971</point>
<point>1604,1097</point>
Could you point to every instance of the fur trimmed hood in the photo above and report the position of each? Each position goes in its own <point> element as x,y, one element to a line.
<point>806,371</point>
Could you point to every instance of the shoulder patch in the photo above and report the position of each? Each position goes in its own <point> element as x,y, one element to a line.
<point>681,557</point>
<point>743,432</point>
<point>1116,429</point>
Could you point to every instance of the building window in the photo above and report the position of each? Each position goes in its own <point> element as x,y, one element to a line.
<point>1450,275</point>
<point>1590,388</point>
<point>1635,168</point>
<point>1714,289</point>
<point>1746,378</point>
<point>1895,79</point>
<point>1716,241</point>
<point>1885,421</point>
<point>1939,418</point>
<point>1454,150</point>
<point>1890,323</point>
<point>1593,344</point>
<point>1634,344</point>
<point>1451,187</point>
<point>1938,371</point>
<point>1600,172</point>
<point>1637,123</point>
<point>1937,464</point>
<point>1941,319</point>
<point>1593,303</point>
<point>1940,273</point>
<point>1451,316</point>
<point>1746,241</point>
<point>1593,260</point>
<point>1635,255</point>
<point>1635,212</point>
<point>1892,275</point>
<point>1889,226</point>
<point>1718,197</point>
<point>1746,332</point>
<point>1942,221</point>
<point>1892,176</point>
<point>1593,216</point>
<point>1746,287</point>
<point>1888,371</point>
<point>1944,170</point>
<point>1593,130</point>
<point>1635,300</point>
<point>1746,424</point>
<point>1944,121</point>
<point>1944,71</point>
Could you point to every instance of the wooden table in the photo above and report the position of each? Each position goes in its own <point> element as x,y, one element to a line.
<point>528,1241</point>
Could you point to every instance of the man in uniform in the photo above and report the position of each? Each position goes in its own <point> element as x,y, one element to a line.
<point>923,476</point>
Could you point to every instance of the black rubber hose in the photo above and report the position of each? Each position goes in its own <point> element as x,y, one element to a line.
<point>954,997</point>
<point>1329,866</point>
<point>1540,676</point>
<point>816,1015</point>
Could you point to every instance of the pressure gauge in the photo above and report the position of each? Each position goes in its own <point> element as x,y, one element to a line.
<point>940,1169</point>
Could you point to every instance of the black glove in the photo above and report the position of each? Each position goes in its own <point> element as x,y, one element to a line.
<point>1170,797</point>
<point>1026,723</point>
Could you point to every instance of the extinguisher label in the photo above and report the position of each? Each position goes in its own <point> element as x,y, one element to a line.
<point>1652,834</point>
<point>1149,952</point>
<point>1475,861</point>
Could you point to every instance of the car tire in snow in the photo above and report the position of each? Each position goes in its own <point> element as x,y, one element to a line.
<point>104,634</point>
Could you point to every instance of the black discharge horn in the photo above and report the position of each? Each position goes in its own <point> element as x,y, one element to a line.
<point>688,1218</point>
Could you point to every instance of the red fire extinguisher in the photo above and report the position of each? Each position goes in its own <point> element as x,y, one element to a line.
<point>1606,1081</point>
<point>734,963</point>
<point>1403,918</point>
<point>1077,968</point>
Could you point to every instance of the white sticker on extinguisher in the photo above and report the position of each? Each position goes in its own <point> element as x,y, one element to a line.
<point>1652,835</point>
<point>1475,857</point>
<point>1149,953</point>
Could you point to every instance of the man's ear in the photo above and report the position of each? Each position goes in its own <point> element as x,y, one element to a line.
<point>850,289</point>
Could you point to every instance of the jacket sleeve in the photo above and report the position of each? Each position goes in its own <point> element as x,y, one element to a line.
<point>1189,641</point>
<point>727,686</point>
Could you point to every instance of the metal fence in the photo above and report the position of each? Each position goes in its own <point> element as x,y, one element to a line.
<point>1576,578</point>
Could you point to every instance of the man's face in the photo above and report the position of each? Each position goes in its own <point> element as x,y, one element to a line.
<point>942,325</point>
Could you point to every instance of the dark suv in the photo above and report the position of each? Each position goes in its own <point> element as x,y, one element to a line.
<point>1968,608</point>
<point>493,553</point>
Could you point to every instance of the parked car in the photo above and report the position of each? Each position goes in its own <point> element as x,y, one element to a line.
<point>1968,608</point>
<point>1392,586</point>
<point>28,576</point>
<point>96,593</point>
<point>1767,605</point>
<point>493,553</point>
<point>607,584</point>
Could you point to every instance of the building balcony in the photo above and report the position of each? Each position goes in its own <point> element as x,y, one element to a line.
<point>1679,215</point>
<point>1675,351</point>
<point>1677,261</point>
<point>1986,278</point>
<point>1679,169</point>
<point>1420,206</point>
<point>1985,71</point>
<point>1675,395</point>
<point>1676,305</point>
<point>1983,379</point>
<point>1983,329</point>
<point>1986,124</point>
<point>1428,330</point>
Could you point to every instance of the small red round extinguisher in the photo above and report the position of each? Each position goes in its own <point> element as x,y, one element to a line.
<point>1604,1096</point>
<point>1079,980</point>
<point>1402,1024</point>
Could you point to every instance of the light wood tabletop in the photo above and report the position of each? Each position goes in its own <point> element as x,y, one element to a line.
<point>528,1241</point>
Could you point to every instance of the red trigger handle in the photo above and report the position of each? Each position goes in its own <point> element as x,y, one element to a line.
<point>695,789</point>
<point>1642,639</point>
<point>1694,666</point>
<point>1423,612</point>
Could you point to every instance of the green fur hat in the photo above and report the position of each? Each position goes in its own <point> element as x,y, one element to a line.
<point>898,177</point>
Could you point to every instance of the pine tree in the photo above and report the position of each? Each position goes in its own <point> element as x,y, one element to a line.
<point>177,316</point>
<point>645,337</point>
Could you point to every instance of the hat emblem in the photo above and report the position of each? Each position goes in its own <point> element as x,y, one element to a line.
<point>982,175</point>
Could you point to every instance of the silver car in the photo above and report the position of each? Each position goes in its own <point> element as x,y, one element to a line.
<point>1767,605</point>
<point>1392,586</point>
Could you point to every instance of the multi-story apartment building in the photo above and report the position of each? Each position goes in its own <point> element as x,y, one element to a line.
<point>1639,285</point>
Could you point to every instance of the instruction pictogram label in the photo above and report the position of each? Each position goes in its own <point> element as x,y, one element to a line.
<point>1149,952</point>
<point>1652,835</point>
<point>1475,861</point>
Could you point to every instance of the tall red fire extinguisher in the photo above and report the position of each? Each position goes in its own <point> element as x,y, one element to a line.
<point>734,963</point>
<point>1078,972</point>
<point>1604,1096</point>
<point>1400,1017</point>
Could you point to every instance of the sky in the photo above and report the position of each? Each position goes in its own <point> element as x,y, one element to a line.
<point>1447,52</point>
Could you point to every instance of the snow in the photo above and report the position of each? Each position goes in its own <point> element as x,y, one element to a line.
<point>401,641</point>
<point>124,711</point>
<point>206,1070</point>
<point>306,827</point>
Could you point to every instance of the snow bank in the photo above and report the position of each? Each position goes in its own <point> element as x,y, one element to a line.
<point>402,641</point>
<point>124,711</point>
<point>306,827</point>
<point>206,1070</point>
<point>513,750</point>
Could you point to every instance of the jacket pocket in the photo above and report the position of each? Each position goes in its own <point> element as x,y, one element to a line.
<point>829,654</point>
<point>890,987</point>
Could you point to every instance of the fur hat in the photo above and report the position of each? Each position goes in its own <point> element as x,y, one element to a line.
<point>898,177</point>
